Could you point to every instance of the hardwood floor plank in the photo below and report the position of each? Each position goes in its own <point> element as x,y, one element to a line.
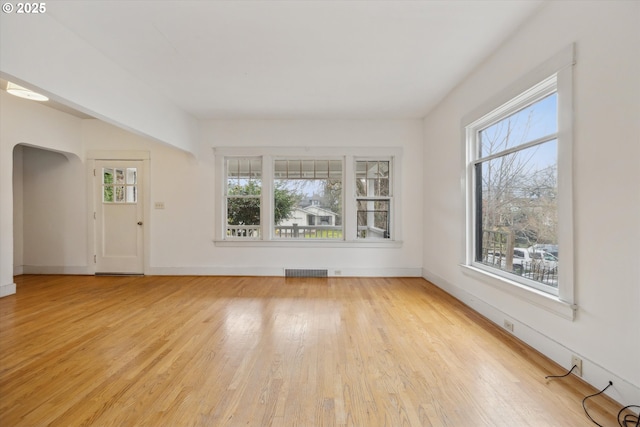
<point>268,351</point>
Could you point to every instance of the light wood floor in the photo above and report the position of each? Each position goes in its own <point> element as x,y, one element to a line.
<point>262,351</point>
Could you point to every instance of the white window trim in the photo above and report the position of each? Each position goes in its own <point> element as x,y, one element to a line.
<point>390,197</point>
<point>349,155</point>
<point>562,304</point>
<point>268,212</point>
<point>226,197</point>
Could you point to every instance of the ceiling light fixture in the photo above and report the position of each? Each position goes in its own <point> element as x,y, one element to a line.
<point>22,92</point>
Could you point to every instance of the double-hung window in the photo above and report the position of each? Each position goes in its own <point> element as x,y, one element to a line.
<point>518,184</point>
<point>243,195</point>
<point>373,198</point>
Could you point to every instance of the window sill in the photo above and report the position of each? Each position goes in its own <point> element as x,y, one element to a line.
<point>538,298</point>
<point>309,244</point>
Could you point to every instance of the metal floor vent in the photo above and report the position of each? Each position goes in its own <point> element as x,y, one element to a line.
<point>289,272</point>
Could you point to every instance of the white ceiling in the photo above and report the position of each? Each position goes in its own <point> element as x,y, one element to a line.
<point>297,59</point>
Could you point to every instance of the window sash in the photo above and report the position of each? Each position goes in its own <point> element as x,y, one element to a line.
<point>243,171</point>
<point>374,184</point>
<point>475,180</point>
<point>309,176</point>
<point>512,150</point>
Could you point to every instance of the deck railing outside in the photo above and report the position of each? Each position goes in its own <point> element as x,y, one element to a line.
<point>247,232</point>
<point>286,232</point>
<point>308,231</point>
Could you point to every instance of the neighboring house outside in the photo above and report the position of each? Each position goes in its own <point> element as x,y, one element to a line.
<point>309,216</point>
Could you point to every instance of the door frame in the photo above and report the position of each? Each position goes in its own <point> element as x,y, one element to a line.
<point>92,157</point>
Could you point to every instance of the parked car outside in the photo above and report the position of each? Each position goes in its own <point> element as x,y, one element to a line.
<point>521,259</point>
<point>552,249</point>
<point>547,259</point>
<point>524,259</point>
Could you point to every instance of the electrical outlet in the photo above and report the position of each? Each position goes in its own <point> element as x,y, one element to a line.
<point>577,362</point>
<point>337,272</point>
<point>508,325</point>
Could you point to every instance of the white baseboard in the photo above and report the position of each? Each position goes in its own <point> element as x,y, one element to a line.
<point>18,270</point>
<point>229,271</point>
<point>279,271</point>
<point>8,289</point>
<point>375,272</point>
<point>213,271</point>
<point>598,376</point>
<point>55,269</point>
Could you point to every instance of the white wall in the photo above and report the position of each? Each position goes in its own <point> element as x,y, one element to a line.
<point>18,207</point>
<point>54,213</point>
<point>54,204</point>
<point>26,122</point>
<point>181,234</point>
<point>606,331</point>
<point>404,134</point>
<point>40,53</point>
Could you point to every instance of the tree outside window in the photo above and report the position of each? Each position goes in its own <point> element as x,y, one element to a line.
<point>516,190</point>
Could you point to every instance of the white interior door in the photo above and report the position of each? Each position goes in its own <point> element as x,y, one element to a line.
<point>119,217</point>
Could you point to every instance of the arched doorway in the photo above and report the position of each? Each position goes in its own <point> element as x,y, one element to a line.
<point>49,212</point>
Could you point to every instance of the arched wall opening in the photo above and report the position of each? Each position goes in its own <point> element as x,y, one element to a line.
<point>49,212</point>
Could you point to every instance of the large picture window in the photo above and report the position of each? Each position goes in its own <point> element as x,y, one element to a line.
<point>307,199</point>
<point>518,186</point>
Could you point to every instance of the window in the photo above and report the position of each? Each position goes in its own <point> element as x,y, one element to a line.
<point>516,187</point>
<point>243,194</point>
<point>373,199</point>
<point>518,191</point>
<point>307,199</point>
<point>119,185</point>
<point>320,196</point>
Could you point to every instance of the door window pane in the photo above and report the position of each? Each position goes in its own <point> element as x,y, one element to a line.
<point>119,185</point>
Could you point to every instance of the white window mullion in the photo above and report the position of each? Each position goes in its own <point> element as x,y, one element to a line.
<point>349,219</point>
<point>394,209</point>
<point>267,203</point>
<point>220,192</point>
<point>515,149</point>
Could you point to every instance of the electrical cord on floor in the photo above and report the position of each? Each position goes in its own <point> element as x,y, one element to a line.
<point>629,420</point>
<point>589,397</point>
<point>561,376</point>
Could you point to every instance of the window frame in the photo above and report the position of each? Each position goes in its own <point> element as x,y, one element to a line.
<point>227,197</point>
<point>554,75</point>
<point>273,178</point>
<point>531,96</point>
<point>269,155</point>
<point>125,186</point>
<point>376,198</point>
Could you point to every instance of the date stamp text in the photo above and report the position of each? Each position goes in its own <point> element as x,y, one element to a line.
<point>24,8</point>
